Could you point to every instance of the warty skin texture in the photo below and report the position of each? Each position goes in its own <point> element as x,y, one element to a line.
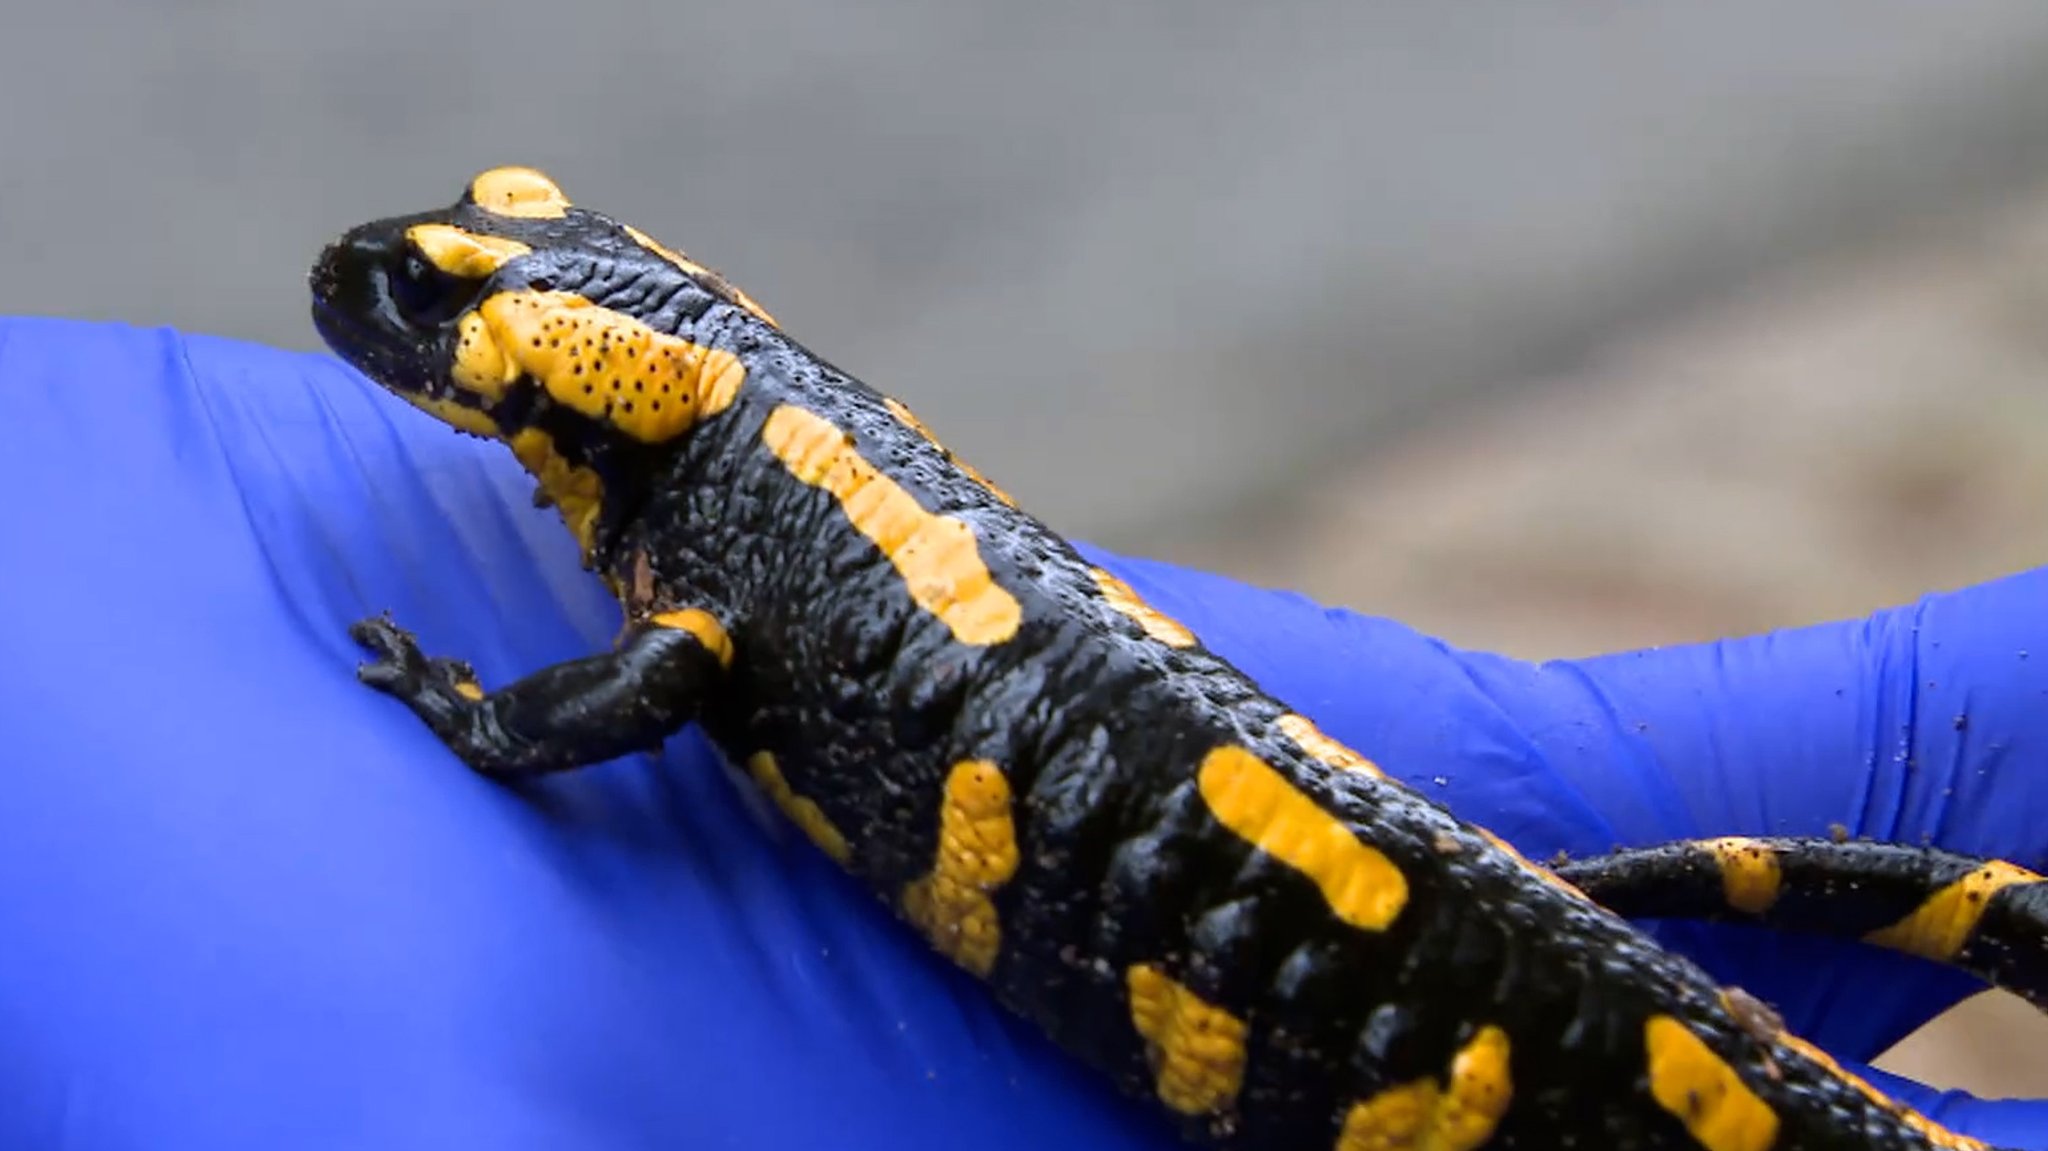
<point>1121,888</point>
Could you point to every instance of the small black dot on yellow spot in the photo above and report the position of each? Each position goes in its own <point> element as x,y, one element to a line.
<point>576,369</point>
<point>589,388</point>
<point>628,407</point>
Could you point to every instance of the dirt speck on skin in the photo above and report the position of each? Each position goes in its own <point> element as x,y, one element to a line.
<point>643,580</point>
<point>1756,1017</point>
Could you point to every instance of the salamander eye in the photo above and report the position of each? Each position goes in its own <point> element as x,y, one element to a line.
<point>424,294</point>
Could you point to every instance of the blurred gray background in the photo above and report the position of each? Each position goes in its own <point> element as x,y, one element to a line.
<point>1548,328</point>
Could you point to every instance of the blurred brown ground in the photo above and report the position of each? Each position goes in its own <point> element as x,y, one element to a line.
<point>1843,437</point>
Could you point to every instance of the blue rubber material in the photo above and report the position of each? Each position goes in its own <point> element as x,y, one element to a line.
<point>245,902</point>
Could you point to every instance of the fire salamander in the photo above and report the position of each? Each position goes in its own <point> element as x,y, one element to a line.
<point>1181,881</point>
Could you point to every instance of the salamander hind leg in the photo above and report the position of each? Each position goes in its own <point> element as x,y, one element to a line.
<point>572,714</point>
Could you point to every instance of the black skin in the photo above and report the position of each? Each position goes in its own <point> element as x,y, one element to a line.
<point>866,701</point>
<point>583,711</point>
<point>1832,888</point>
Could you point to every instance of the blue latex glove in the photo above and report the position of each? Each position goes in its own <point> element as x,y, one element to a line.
<point>248,902</point>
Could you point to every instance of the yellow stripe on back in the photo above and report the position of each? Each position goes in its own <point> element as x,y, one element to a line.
<point>1699,1087</point>
<point>937,555</point>
<point>710,279</point>
<point>1127,603</point>
<point>909,420</point>
<point>1262,807</point>
<point>1939,927</point>
<point>1304,732</point>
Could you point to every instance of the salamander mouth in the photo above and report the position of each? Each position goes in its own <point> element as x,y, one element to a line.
<point>346,317</point>
<point>371,353</point>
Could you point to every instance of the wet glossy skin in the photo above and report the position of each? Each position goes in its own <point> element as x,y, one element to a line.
<point>1137,849</point>
<point>1987,917</point>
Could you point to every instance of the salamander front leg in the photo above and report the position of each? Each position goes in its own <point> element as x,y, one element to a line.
<point>570,715</point>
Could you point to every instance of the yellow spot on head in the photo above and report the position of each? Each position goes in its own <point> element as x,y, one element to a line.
<point>481,367</point>
<point>465,255</point>
<point>610,367</point>
<point>805,813</point>
<point>1422,1116</point>
<point>909,419</point>
<point>977,854</point>
<point>1197,1049</point>
<point>936,555</point>
<point>1703,1091</point>
<point>1751,875</point>
<point>525,193</point>
<point>577,492</point>
<point>1262,807</point>
<point>1939,928</point>
<point>1126,602</point>
<point>710,279</point>
<point>703,625</point>
<point>469,690</point>
<point>1303,731</point>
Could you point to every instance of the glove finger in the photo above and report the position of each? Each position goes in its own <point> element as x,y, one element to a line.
<point>2018,1124</point>
<point>1909,726</point>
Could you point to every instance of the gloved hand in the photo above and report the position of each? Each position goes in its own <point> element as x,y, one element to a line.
<point>248,902</point>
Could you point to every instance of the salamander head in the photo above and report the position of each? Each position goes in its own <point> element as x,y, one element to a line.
<point>514,315</point>
<point>511,300</point>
